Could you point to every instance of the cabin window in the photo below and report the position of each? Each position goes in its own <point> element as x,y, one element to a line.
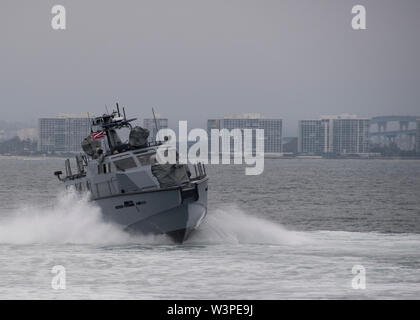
<point>104,168</point>
<point>147,159</point>
<point>124,164</point>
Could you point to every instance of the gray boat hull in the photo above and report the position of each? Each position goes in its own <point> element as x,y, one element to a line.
<point>175,211</point>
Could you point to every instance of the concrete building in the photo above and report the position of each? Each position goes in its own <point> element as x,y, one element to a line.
<point>418,136</point>
<point>313,136</point>
<point>272,128</point>
<point>63,133</point>
<point>150,124</point>
<point>343,134</point>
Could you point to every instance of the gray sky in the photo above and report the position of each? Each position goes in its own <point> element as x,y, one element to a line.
<point>195,59</point>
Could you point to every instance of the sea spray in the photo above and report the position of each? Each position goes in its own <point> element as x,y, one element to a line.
<point>73,219</point>
<point>76,220</point>
<point>231,225</point>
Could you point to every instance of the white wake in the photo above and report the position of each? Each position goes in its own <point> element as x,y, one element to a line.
<point>233,226</point>
<point>76,220</point>
<point>73,219</point>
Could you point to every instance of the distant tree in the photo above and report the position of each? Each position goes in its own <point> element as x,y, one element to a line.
<point>16,146</point>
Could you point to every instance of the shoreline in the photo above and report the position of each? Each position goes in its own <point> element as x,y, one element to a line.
<point>270,157</point>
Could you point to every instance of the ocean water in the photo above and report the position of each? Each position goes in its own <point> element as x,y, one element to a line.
<point>296,231</point>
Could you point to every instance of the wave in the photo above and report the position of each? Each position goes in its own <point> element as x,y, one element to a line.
<point>73,219</point>
<point>76,220</point>
<point>234,226</point>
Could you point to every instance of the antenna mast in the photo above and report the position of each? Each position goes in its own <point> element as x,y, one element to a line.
<point>90,122</point>
<point>156,125</point>
<point>118,109</point>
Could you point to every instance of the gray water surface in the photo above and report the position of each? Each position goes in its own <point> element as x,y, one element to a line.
<point>295,231</point>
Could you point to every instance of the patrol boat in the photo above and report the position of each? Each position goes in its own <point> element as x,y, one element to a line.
<point>132,189</point>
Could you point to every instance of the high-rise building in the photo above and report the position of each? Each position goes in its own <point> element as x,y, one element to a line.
<point>418,135</point>
<point>350,135</point>
<point>151,124</point>
<point>62,134</point>
<point>272,128</point>
<point>314,136</point>
<point>334,134</point>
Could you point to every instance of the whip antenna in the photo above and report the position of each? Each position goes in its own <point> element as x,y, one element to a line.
<point>156,125</point>
<point>118,110</point>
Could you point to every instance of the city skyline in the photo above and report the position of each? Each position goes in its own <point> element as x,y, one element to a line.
<point>329,134</point>
<point>284,58</point>
<point>375,127</point>
<point>172,123</point>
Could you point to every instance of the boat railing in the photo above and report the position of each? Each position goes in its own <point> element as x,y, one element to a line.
<point>81,163</point>
<point>199,171</point>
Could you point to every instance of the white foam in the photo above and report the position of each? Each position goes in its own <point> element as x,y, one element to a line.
<point>76,220</point>
<point>73,219</point>
<point>231,225</point>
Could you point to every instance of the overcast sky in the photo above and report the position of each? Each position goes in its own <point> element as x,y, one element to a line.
<point>197,59</point>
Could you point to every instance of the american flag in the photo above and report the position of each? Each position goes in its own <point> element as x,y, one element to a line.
<point>99,135</point>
